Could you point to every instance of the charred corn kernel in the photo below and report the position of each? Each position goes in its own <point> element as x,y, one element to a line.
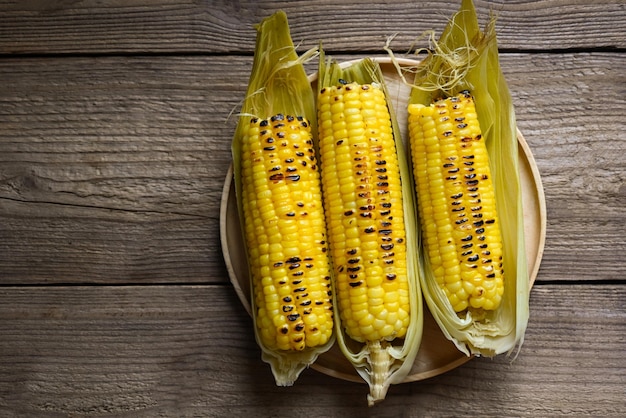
<point>285,234</point>
<point>456,202</point>
<point>363,198</point>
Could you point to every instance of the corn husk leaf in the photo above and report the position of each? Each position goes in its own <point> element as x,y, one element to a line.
<point>466,58</point>
<point>398,357</point>
<point>278,84</point>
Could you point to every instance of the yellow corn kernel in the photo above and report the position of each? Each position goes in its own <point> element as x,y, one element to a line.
<point>456,196</point>
<point>285,234</point>
<point>363,200</point>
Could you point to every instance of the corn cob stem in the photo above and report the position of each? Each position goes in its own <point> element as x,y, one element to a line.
<point>381,363</point>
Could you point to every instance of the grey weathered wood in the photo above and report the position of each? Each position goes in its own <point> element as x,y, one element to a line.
<point>187,351</point>
<point>137,154</point>
<point>139,26</point>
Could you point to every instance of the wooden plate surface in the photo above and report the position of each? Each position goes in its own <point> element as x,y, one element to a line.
<point>436,354</point>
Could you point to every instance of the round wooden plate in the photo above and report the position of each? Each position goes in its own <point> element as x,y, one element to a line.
<point>436,354</point>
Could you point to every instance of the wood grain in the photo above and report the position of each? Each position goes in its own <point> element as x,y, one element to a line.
<point>146,351</point>
<point>136,153</point>
<point>185,26</point>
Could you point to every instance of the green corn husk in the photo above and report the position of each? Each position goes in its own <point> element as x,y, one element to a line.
<point>378,367</point>
<point>278,84</point>
<point>466,58</point>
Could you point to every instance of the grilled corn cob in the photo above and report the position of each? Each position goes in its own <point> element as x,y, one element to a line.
<point>363,193</point>
<point>279,198</point>
<point>376,288</point>
<point>478,298</point>
<point>286,234</point>
<point>456,202</point>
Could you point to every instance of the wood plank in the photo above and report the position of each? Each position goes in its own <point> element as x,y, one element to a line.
<point>561,111</point>
<point>115,176</point>
<point>187,351</point>
<point>184,26</point>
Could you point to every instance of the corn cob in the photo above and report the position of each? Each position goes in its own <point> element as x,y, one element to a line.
<point>285,234</point>
<point>456,202</point>
<point>279,198</point>
<point>479,299</point>
<point>364,198</point>
<point>376,288</point>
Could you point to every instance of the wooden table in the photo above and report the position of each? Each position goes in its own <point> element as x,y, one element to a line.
<point>115,127</point>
